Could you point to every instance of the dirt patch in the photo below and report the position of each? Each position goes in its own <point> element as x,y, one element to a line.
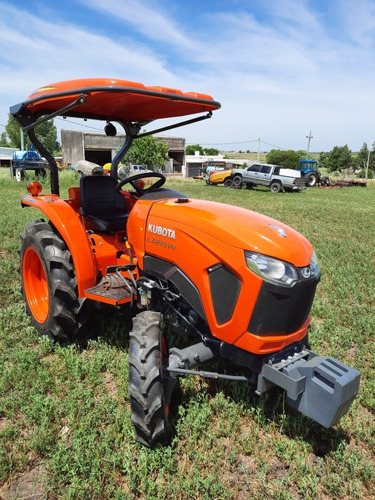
<point>110,385</point>
<point>31,485</point>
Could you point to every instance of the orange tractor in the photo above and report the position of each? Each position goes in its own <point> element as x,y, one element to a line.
<point>234,283</point>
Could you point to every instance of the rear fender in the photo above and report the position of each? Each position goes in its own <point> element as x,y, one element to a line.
<point>68,223</point>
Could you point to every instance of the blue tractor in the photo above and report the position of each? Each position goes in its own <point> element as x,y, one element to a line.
<point>27,160</point>
<point>309,169</point>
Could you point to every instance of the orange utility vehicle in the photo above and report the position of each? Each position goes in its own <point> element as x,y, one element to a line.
<point>234,283</point>
<point>223,176</point>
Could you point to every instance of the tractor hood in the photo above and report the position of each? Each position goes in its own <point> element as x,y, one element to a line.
<point>233,226</point>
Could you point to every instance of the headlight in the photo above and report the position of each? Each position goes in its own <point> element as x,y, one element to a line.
<point>270,269</point>
<point>314,267</point>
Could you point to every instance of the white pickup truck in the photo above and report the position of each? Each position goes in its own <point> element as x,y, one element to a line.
<point>275,177</point>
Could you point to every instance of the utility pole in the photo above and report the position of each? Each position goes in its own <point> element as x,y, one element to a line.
<point>367,164</point>
<point>258,148</point>
<point>309,137</point>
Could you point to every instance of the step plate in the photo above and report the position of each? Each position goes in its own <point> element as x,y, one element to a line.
<point>111,289</point>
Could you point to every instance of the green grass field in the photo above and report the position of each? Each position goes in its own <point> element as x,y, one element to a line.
<point>65,413</point>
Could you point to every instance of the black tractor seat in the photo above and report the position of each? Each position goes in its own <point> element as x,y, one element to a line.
<point>101,204</point>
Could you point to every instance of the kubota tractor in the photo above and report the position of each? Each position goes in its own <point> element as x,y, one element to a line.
<point>237,284</point>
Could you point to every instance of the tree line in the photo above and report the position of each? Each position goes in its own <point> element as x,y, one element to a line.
<point>151,152</point>
<point>45,132</point>
<point>338,159</point>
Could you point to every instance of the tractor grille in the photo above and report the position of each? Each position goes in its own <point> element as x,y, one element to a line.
<point>225,288</point>
<point>280,310</point>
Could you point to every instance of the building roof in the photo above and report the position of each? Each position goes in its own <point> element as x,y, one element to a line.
<point>197,158</point>
<point>7,153</point>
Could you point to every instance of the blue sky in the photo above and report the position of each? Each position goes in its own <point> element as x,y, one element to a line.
<point>280,68</point>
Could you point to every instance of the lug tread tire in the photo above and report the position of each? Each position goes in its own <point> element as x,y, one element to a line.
<point>149,414</point>
<point>65,315</point>
<point>311,179</point>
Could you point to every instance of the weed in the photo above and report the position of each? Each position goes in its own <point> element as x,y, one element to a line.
<point>67,406</point>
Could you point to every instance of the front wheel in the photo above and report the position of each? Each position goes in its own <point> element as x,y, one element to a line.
<point>325,181</point>
<point>48,282</point>
<point>228,183</point>
<point>19,174</point>
<point>147,380</point>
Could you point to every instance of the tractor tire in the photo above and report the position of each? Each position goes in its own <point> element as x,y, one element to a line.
<point>49,282</point>
<point>325,181</point>
<point>237,181</point>
<point>311,179</point>
<point>228,183</point>
<point>19,175</point>
<point>275,187</point>
<point>147,362</point>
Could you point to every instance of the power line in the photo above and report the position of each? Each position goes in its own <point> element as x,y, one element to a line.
<point>268,144</point>
<point>68,121</point>
<point>188,143</point>
<point>79,124</point>
<point>229,143</point>
<point>221,143</point>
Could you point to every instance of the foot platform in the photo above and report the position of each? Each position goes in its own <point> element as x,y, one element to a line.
<point>112,289</point>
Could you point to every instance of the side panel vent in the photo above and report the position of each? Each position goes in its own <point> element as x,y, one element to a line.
<point>225,288</point>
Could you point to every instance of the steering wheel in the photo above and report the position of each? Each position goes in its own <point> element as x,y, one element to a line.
<point>134,178</point>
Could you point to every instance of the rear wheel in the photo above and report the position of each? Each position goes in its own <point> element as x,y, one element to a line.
<point>311,179</point>
<point>147,376</point>
<point>275,187</point>
<point>237,181</point>
<point>49,282</point>
<point>228,183</point>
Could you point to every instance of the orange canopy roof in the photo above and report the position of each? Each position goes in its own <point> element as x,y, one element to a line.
<point>117,100</point>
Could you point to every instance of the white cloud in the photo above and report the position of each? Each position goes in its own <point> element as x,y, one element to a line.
<point>149,21</point>
<point>294,70</point>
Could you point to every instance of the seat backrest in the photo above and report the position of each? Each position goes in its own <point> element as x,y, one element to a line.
<point>99,196</point>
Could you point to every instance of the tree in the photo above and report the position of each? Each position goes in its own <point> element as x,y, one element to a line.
<point>3,140</point>
<point>147,151</point>
<point>211,151</point>
<point>287,159</point>
<point>45,132</point>
<point>365,160</point>
<point>339,158</point>
<point>192,148</point>
<point>13,132</point>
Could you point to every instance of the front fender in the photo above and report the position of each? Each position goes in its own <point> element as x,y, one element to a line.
<point>69,225</point>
